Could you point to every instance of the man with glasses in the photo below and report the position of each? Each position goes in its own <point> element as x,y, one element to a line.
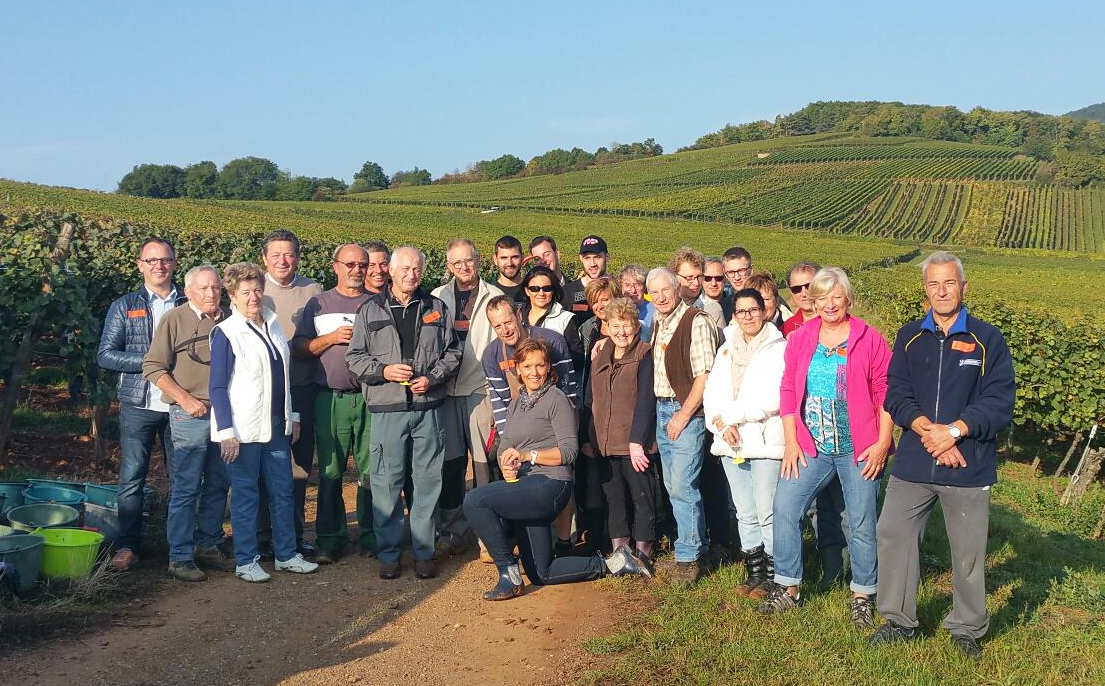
<point>738,267</point>
<point>798,280</point>
<point>286,293</point>
<point>593,256</point>
<point>179,364</point>
<point>403,352</point>
<point>508,260</point>
<point>716,302</point>
<point>684,344</point>
<point>467,412</point>
<point>342,421</point>
<point>143,416</point>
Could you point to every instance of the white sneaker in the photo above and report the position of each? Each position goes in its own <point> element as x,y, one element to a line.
<point>296,565</point>
<point>252,572</point>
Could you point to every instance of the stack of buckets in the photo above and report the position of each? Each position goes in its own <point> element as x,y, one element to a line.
<point>44,538</point>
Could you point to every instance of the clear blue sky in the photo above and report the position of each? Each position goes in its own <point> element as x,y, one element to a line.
<point>89,89</point>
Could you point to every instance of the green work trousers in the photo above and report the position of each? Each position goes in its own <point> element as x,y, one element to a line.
<point>342,427</point>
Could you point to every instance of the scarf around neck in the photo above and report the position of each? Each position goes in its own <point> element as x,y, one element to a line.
<point>527,400</point>
<point>741,354</point>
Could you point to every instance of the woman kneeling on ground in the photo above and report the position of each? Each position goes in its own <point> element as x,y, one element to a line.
<point>253,420</point>
<point>741,404</point>
<point>539,446</point>
<point>622,431</point>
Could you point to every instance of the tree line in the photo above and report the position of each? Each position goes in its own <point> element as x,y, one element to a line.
<point>1071,148</point>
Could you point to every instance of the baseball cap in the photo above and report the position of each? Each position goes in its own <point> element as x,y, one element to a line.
<point>592,244</point>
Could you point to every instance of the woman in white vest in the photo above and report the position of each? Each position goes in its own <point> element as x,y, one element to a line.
<point>253,421</point>
<point>741,404</point>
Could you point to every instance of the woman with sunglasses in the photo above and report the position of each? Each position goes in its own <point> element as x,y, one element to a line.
<point>253,421</point>
<point>741,405</point>
<point>541,307</point>
<point>831,403</point>
<point>798,280</point>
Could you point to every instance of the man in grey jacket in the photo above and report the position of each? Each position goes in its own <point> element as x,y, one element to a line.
<point>404,352</point>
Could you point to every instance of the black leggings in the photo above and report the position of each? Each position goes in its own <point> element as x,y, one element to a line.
<point>533,502</point>
<point>620,480</point>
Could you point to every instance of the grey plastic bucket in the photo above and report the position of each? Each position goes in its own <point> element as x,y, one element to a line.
<point>102,519</point>
<point>22,556</point>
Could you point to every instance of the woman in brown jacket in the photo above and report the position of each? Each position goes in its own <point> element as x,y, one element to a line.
<point>622,431</point>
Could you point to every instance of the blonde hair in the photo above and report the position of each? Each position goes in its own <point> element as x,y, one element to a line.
<point>622,310</point>
<point>686,254</point>
<point>604,285</point>
<point>828,278</point>
<point>238,272</point>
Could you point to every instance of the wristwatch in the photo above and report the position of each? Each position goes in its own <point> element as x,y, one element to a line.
<point>954,431</point>
<point>533,457</point>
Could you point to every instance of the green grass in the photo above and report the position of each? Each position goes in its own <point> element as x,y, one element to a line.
<point>1046,595</point>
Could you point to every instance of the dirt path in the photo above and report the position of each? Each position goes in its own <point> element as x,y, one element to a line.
<point>341,625</point>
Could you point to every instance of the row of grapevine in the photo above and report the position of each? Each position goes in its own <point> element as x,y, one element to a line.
<point>1053,218</point>
<point>846,153</point>
<point>916,211</point>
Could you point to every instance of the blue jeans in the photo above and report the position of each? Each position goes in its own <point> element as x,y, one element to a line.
<point>272,462</point>
<point>138,429</point>
<point>793,498</point>
<point>752,484</point>
<point>199,474</point>
<point>681,460</point>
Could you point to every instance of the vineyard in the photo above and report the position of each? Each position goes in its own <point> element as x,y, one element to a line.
<point>897,188</point>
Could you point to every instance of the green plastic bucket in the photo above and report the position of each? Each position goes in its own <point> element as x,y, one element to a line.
<point>13,495</point>
<point>68,553</point>
<point>40,493</point>
<point>27,518</point>
<point>21,555</point>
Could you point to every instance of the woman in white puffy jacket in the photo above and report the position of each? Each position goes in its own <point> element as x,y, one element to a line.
<point>741,404</point>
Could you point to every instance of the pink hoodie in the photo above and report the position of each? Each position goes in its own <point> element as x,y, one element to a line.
<point>865,368</point>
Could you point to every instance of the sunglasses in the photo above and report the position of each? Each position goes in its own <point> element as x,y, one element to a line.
<point>354,265</point>
<point>539,289</point>
<point>713,279</point>
<point>798,288</point>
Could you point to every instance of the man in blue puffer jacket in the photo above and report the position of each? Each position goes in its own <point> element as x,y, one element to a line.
<point>143,416</point>
<point>951,388</point>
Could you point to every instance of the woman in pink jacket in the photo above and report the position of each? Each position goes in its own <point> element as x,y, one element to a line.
<point>831,404</point>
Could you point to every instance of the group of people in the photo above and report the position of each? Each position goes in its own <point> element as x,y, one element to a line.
<point>566,426</point>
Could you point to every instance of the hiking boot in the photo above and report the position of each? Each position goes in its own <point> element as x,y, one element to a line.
<point>891,633</point>
<point>327,557</point>
<point>305,548</point>
<point>425,569</point>
<point>761,591</point>
<point>214,558</point>
<point>186,570</point>
<point>755,572</point>
<point>450,544</point>
<point>778,601</point>
<point>123,560</point>
<point>509,585</point>
<point>968,645</point>
<point>622,562</point>
<point>296,565</point>
<point>863,613</point>
<point>252,572</point>
<point>391,570</point>
<point>686,573</point>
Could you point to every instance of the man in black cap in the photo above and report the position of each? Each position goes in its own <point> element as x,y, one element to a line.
<point>593,256</point>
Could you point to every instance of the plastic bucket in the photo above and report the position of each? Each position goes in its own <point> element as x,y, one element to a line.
<point>13,495</point>
<point>71,485</point>
<point>53,494</point>
<point>102,519</point>
<point>22,555</point>
<point>105,495</point>
<point>27,518</point>
<point>68,553</point>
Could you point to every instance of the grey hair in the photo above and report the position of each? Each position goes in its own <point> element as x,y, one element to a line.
<point>811,267</point>
<point>195,271</point>
<point>662,273</point>
<point>343,246</point>
<point>943,257</point>
<point>828,278</point>
<point>634,270</point>
<point>408,248</point>
<point>463,241</point>
<point>714,260</point>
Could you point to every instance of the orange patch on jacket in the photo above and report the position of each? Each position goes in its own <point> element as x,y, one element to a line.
<point>963,346</point>
<point>135,314</point>
<point>507,364</point>
<point>431,317</point>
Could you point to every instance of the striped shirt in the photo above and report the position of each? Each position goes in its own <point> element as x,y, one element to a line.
<point>495,363</point>
<point>703,347</point>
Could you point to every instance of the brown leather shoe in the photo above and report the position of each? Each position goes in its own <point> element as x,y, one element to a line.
<point>123,560</point>
<point>391,570</point>
<point>425,569</point>
<point>686,573</point>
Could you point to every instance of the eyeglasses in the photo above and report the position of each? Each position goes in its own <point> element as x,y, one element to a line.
<point>539,289</point>
<point>713,279</point>
<point>457,264</point>
<point>798,288</point>
<point>750,312</point>
<point>693,278</point>
<point>363,266</point>
<point>734,273</point>
<point>151,261</point>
